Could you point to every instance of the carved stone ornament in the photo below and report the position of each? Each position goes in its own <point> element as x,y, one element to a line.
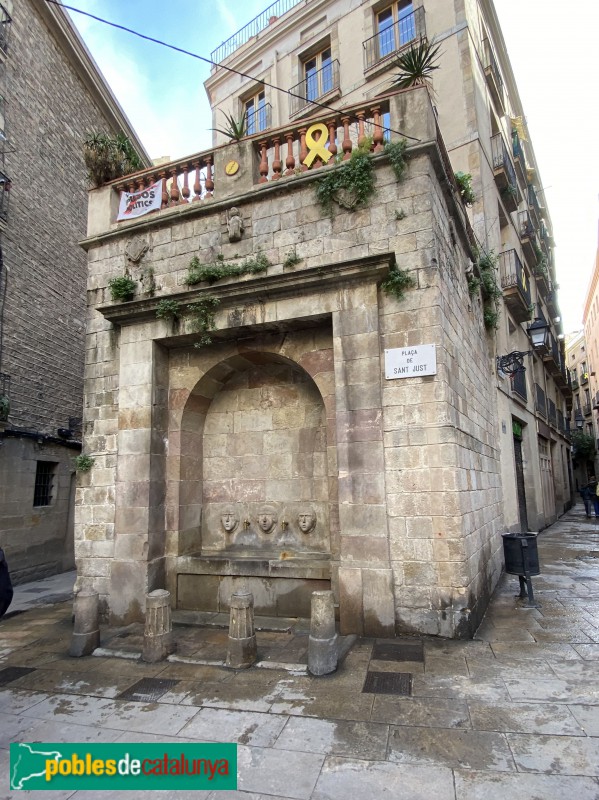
<point>229,521</point>
<point>234,225</point>
<point>306,520</point>
<point>346,198</point>
<point>135,249</point>
<point>267,519</point>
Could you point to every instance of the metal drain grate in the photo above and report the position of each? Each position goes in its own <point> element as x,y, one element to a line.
<point>10,674</point>
<point>148,690</point>
<point>398,651</point>
<point>397,683</point>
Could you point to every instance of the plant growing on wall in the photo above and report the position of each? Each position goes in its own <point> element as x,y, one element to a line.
<point>473,284</point>
<point>487,268</point>
<point>235,129</point>
<point>396,151</point>
<point>4,408</point>
<point>122,288</point>
<point>202,318</point>
<point>397,282</point>
<point>84,463</point>
<point>168,309</point>
<point>417,64</point>
<point>219,269</point>
<point>464,181</point>
<point>109,157</point>
<point>292,259</point>
<point>351,184</point>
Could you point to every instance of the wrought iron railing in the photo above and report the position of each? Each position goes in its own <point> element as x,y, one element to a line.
<point>533,201</point>
<point>551,412</point>
<point>4,195</point>
<point>5,20</point>
<point>526,226</point>
<point>561,422</point>
<point>540,402</point>
<point>491,65</point>
<point>387,42</point>
<point>253,28</point>
<point>519,384</point>
<point>586,409</point>
<point>313,87</point>
<point>501,158</point>
<point>517,149</point>
<point>512,273</point>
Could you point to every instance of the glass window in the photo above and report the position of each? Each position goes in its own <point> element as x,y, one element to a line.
<point>395,27</point>
<point>256,117</point>
<point>318,75</point>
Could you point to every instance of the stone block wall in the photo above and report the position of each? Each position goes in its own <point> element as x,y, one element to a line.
<point>412,473</point>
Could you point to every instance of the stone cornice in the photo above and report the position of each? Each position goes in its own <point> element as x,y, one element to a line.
<point>260,288</point>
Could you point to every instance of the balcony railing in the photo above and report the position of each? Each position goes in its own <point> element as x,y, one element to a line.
<point>533,203</point>
<point>519,156</point>
<point>5,20</point>
<point>528,238</point>
<point>313,87</point>
<point>574,384</point>
<point>505,174</point>
<point>551,412</point>
<point>386,43</point>
<point>561,422</point>
<point>519,384</point>
<point>586,409</point>
<point>493,75</point>
<point>515,285</point>
<point>4,196</point>
<point>584,378</point>
<point>540,402</point>
<point>552,358</point>
<point>253,28</point>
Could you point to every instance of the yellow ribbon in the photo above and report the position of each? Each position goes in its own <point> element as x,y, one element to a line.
<point>317,146</point>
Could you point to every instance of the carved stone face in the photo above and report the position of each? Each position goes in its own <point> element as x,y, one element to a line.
<point>307,520</point>
<point>267,519</point>
<point>229,521</point>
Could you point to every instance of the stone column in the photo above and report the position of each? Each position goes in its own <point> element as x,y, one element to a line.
<point>138,564</point>
<point>322,643</point>
<point>366,598</point>
<point>241,648</point>
<point>158,636</point>
<point>86,630</point>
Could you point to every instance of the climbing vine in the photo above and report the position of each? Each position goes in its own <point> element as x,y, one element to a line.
<point>487,267</point>
<point>397,282</point>
<point>202,318</point>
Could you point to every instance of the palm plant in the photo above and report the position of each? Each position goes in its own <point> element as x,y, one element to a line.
<point>417,64</point>
<point>109,157</point>
<point>236,129</point>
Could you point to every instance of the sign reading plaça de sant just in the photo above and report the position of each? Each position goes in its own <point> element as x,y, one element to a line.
<point>410,362</point>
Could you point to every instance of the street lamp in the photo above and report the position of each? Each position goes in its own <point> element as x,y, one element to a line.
<point>579,420</point>
<point>539,334</point>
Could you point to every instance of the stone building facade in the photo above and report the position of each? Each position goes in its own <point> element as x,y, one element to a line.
<point>277,453</point>
<point>339,54</point>
<point>52,96</point>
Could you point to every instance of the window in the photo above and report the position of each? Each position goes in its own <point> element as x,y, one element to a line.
<point>318,75</point>
<point>395,27</point>
<point>256,111</point>
<point>44,483</point>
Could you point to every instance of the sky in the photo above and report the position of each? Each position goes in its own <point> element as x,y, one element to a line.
<point>553,56</point>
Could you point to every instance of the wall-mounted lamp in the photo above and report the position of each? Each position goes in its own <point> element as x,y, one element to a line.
<point>579,420</point>
<point>539,334</point>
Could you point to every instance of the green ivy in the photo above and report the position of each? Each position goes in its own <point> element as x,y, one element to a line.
<point>219,269</point>
<point>292,259</point>
<point>397,282</point>
<point>584,445</point>
<point>473,284</point>
<point>396,151</point>
<point>487,267</point>
<point>84,463</point>
<point>122,288</point>
<point>354,178</point>
<point>464,181</point>
<point>202,318</point>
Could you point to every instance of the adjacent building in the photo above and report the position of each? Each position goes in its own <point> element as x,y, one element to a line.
<point>52,95</point>
<point>582,421</point>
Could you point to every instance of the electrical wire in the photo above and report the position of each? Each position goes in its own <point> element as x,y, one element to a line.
<point>214,63</point>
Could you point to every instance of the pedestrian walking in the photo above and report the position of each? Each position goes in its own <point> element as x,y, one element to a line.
<point>592,484</point>
<point>5,585</point>
<point>587,498</point>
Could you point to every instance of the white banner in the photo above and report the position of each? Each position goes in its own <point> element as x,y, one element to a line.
<point>136,204</point>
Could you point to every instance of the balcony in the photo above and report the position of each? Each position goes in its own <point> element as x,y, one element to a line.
<point>528,238</point>
<point>551,413</point>
<point>540,402</point>
<point>534,205</point>
<point>385,44</point>
<point>584,378</point>
<point>504,173</point>
<point>586,409</point>
<point>542,277</point>
<point>4,196</point>
<point>519,159</point>
<point>253,28</point>
<point>315,86</point>
<point>493,76</point>
<point>515,285</point>
<point>574,384</point>
<point>519,385</point>
<point>552,358</point>
<point>5,21</point>
<point>561,422</point>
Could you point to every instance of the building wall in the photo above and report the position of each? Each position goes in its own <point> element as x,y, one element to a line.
<point>413,485</point>
<point>49,111</point>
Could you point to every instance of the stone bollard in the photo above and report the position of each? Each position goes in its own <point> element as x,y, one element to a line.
<point>241,647</point>
<point>86,629</point>
<point>158,631</point>
<point>322,643</point>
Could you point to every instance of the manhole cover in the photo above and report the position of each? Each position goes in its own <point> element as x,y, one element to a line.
<point>398,683</point>
<point>398,651</point>
<point>148,690</point>
<point>10,674</point>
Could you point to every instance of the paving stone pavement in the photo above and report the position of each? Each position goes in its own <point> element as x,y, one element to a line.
<point>514,712</point>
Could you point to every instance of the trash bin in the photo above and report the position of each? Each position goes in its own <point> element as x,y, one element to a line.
<point>518,548</point>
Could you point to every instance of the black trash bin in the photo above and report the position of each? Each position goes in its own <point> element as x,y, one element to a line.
<point>516,547</point>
